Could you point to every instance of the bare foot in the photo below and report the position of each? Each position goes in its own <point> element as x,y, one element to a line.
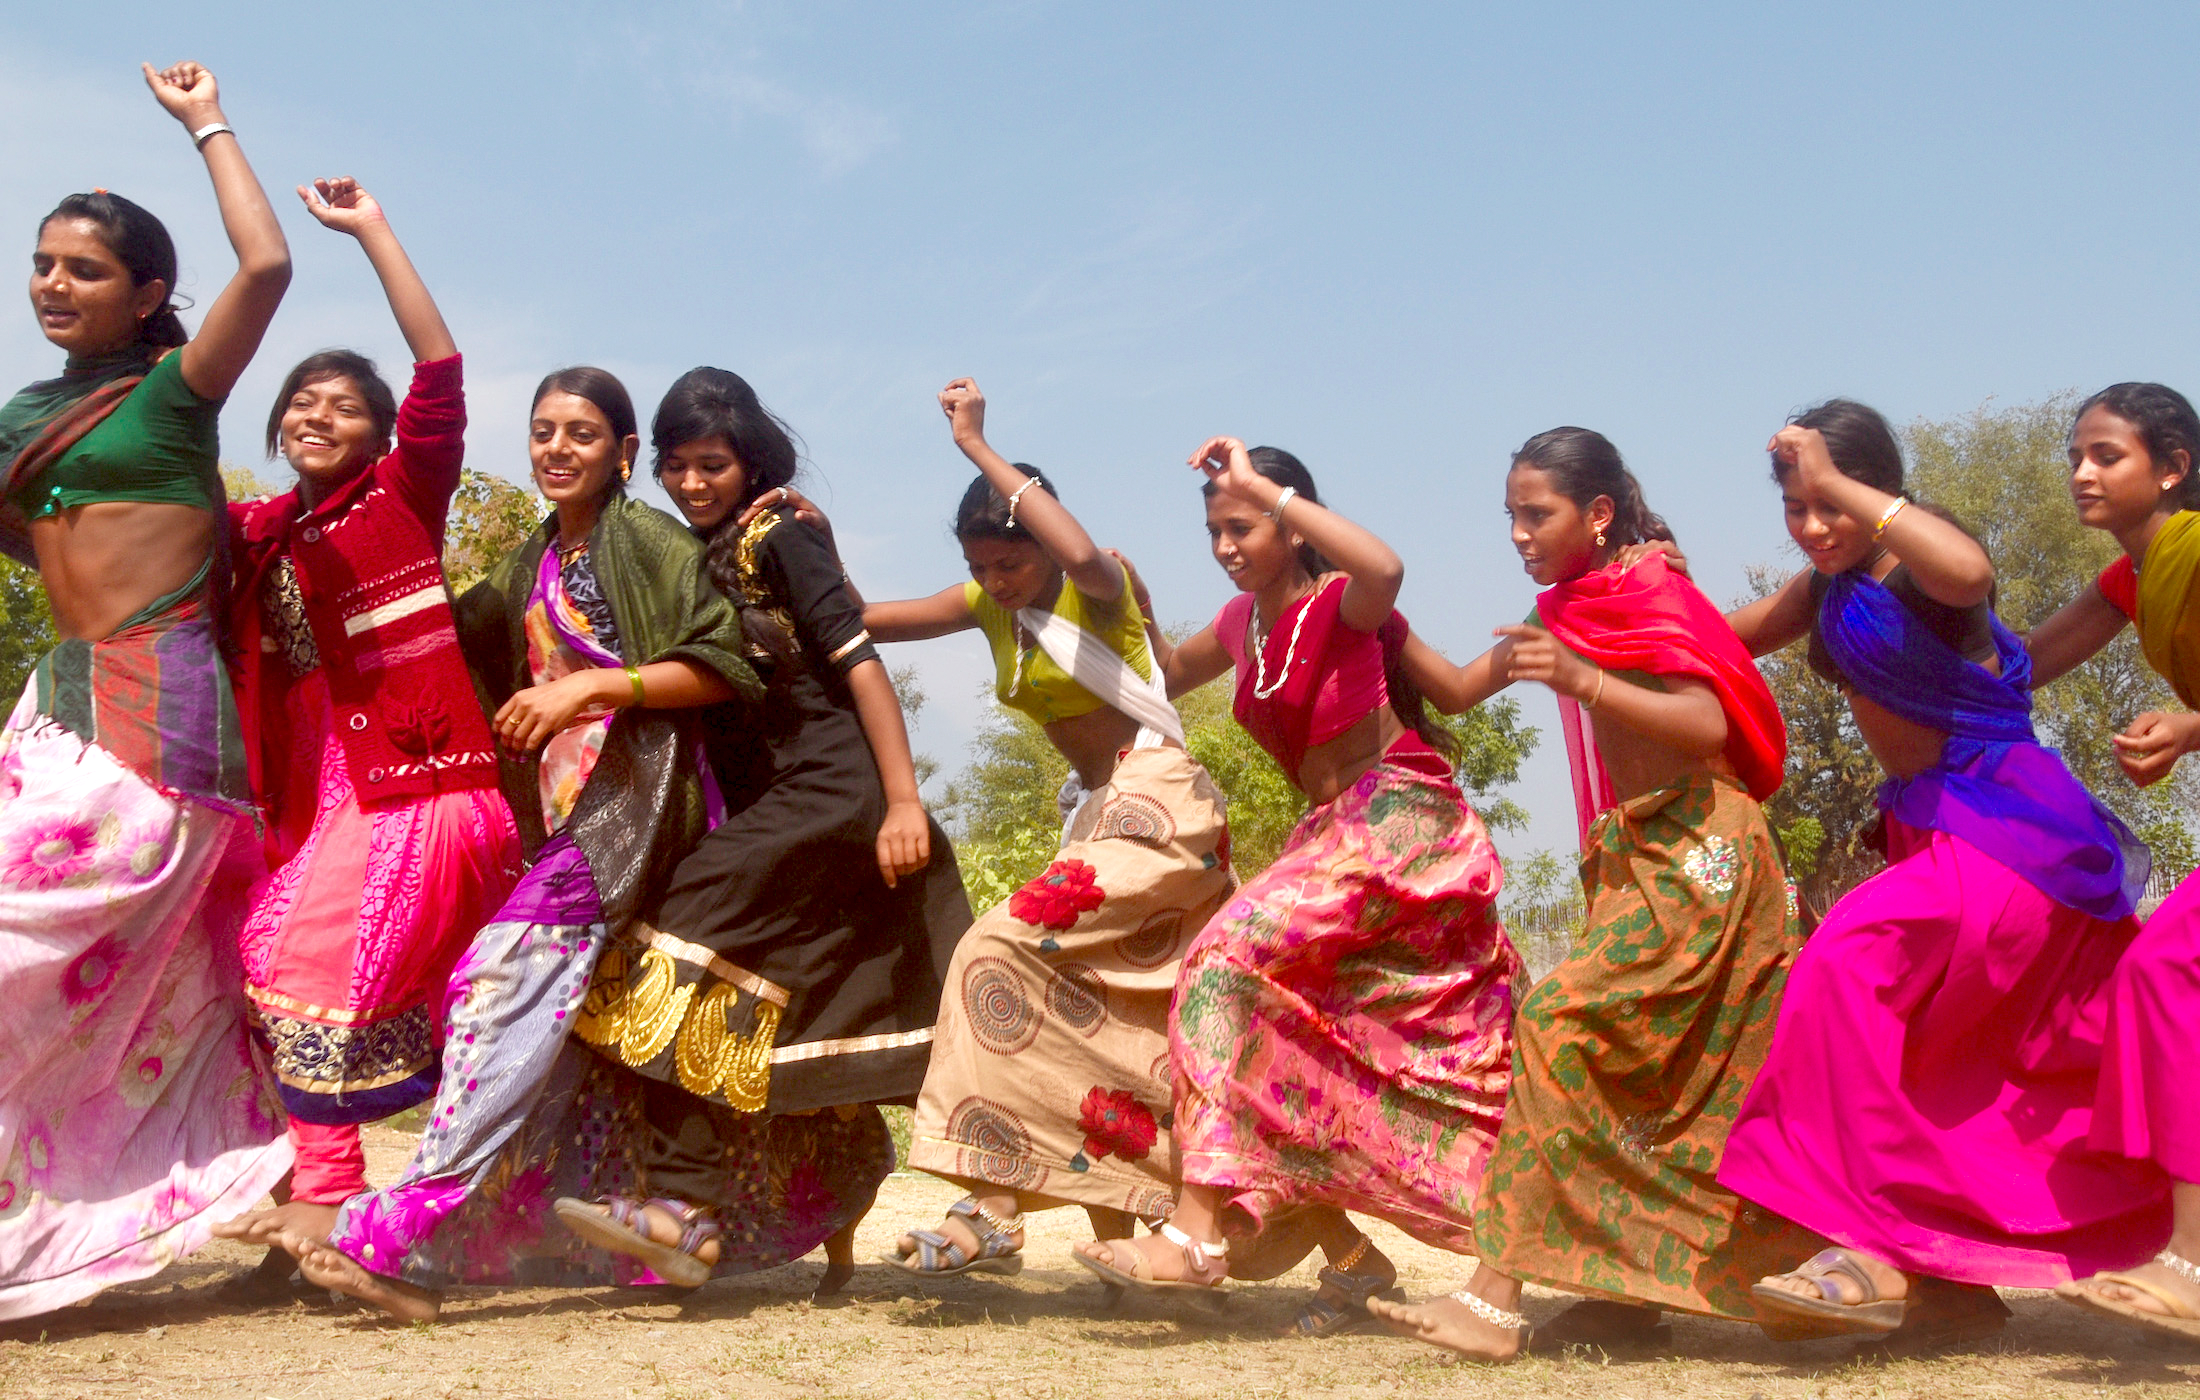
<point>266,1285</point>
<point>332,1268</point>
<point>1446,1322</point>
<point>308,1218</point>
<point>840,1259</point>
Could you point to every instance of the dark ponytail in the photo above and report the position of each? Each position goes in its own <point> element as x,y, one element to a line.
<point>141,244</point>
<point>1582,466</point>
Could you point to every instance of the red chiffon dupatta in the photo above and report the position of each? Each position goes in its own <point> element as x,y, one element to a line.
<point>1645,617</point>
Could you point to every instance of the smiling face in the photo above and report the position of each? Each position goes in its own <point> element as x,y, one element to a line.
<point>81,293</point>
<point>2114,481</point>
<point>1557,539</point>
<point>328,432</point>
<point>1252,549</point>
<point>705,480</point>
<point>575,456</point>
<point>1834,541</point>
<point>1014,573</point>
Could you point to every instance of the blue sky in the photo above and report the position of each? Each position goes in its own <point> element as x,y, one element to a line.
<point>1394,239</point>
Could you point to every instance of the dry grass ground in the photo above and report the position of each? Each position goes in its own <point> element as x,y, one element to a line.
<point>1039,1335</point>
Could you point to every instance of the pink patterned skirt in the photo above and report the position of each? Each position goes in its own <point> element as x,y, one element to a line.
<point>349,943</point>
<point>1343,1028</point>
<point>134,1113</point>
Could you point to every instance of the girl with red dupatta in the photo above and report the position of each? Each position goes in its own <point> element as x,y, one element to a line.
<point>1341,1030</point>
<point>1631,1059</point>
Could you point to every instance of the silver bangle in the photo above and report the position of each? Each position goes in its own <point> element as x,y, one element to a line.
<point>1283,498</point>
<point>199,138</point>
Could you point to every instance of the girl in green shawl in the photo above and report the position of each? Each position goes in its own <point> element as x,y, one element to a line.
<point>2132,450</point>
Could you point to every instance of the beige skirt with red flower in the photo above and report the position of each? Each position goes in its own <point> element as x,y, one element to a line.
<point>1050,1066</point>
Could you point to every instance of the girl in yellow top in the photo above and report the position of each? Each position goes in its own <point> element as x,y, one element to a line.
<point>1050,1082</point>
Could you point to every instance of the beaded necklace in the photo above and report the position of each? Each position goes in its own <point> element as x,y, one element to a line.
<point>1261,688</point>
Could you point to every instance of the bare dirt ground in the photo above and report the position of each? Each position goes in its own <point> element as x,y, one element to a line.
<point>1042,1334</point>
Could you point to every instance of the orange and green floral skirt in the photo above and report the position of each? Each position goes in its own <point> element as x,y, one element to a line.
<point>1050,1064</point>
<point>1632,1058</point>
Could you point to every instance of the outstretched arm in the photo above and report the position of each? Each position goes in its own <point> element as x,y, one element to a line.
<point>340,204</point>
<point>2072,635</point>
<point>1056,530</point>
<point>1775,620</point>
<point>915,619</point>
<point>1374,572</point>
<point>239,317</point>
<point>1455,689</point>
<point>1949,566</point>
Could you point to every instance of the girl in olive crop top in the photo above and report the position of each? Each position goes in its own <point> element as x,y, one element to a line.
<point>1144,860</point>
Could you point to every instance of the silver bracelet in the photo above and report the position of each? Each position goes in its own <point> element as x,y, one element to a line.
<point>1283,498</point>
<point>200,137</point>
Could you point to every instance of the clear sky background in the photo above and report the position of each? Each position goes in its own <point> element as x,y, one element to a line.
<point>1397,240</point>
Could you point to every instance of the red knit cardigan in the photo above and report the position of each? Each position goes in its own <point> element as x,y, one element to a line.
<point>369,564</point>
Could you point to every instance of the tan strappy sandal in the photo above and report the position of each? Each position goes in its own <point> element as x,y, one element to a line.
<point>2179,1318</point>
<point>1205,1266</point>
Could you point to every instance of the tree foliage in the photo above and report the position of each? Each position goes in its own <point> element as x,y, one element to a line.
<point>490,517</point>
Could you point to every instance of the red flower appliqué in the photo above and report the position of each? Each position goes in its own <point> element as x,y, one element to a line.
<point>1116,1124</point>
<point>1056,899</point>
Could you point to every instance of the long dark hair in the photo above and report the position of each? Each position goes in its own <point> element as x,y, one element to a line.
<point>714,403</point>
<point>602,388</point>
<point>141,244</point>
<point>1406,700</point>
<point>337,364</point>
<point>982,514</point>
<point>1859,439</point>
<point>1584,465</point>
<point>2166,424</point>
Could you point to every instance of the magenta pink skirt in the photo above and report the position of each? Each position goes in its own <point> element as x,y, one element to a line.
<point>1930,1089</point>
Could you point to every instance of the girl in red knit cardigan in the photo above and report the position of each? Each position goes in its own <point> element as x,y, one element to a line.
<point>389,841</point>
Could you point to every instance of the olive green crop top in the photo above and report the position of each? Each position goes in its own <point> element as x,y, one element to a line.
<point>1026,678</point>
<point>160,444</point>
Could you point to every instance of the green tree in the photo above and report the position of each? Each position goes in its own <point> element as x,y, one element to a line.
<point>490,517</point>
<point>26,625</point>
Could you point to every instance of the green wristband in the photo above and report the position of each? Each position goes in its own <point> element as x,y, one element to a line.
<point>634,674</point>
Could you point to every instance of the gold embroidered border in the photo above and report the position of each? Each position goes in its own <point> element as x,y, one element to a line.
<point>636,1012</point>
<point>332,1015</point>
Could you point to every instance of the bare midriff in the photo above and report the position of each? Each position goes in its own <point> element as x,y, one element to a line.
<point>103,562</point>
<point>1638,764</point>
<point>1329,768</point>
<point>1091,741</point>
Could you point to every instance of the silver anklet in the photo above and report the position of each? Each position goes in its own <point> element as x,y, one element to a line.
<point>2182,1267</point>
<point>1489,1312</point>
<point>1013,1225</point>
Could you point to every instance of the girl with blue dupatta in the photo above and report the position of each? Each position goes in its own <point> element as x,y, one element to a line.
<point>1929,1092</point>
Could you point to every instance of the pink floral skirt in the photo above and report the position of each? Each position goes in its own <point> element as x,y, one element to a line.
<point>1343,1030</point>
<point>349,943</point>
<point>134,1112</point>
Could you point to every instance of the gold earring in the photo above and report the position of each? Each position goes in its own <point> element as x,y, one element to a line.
<point>626,470</point>
<point>1600,539</point>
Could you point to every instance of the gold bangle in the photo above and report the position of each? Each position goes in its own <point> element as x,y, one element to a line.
<point>1591,702</point>
<point>634,675</point>
<point>1887,518</point>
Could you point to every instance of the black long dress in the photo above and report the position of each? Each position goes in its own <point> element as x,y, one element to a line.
<point>781,974</point>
